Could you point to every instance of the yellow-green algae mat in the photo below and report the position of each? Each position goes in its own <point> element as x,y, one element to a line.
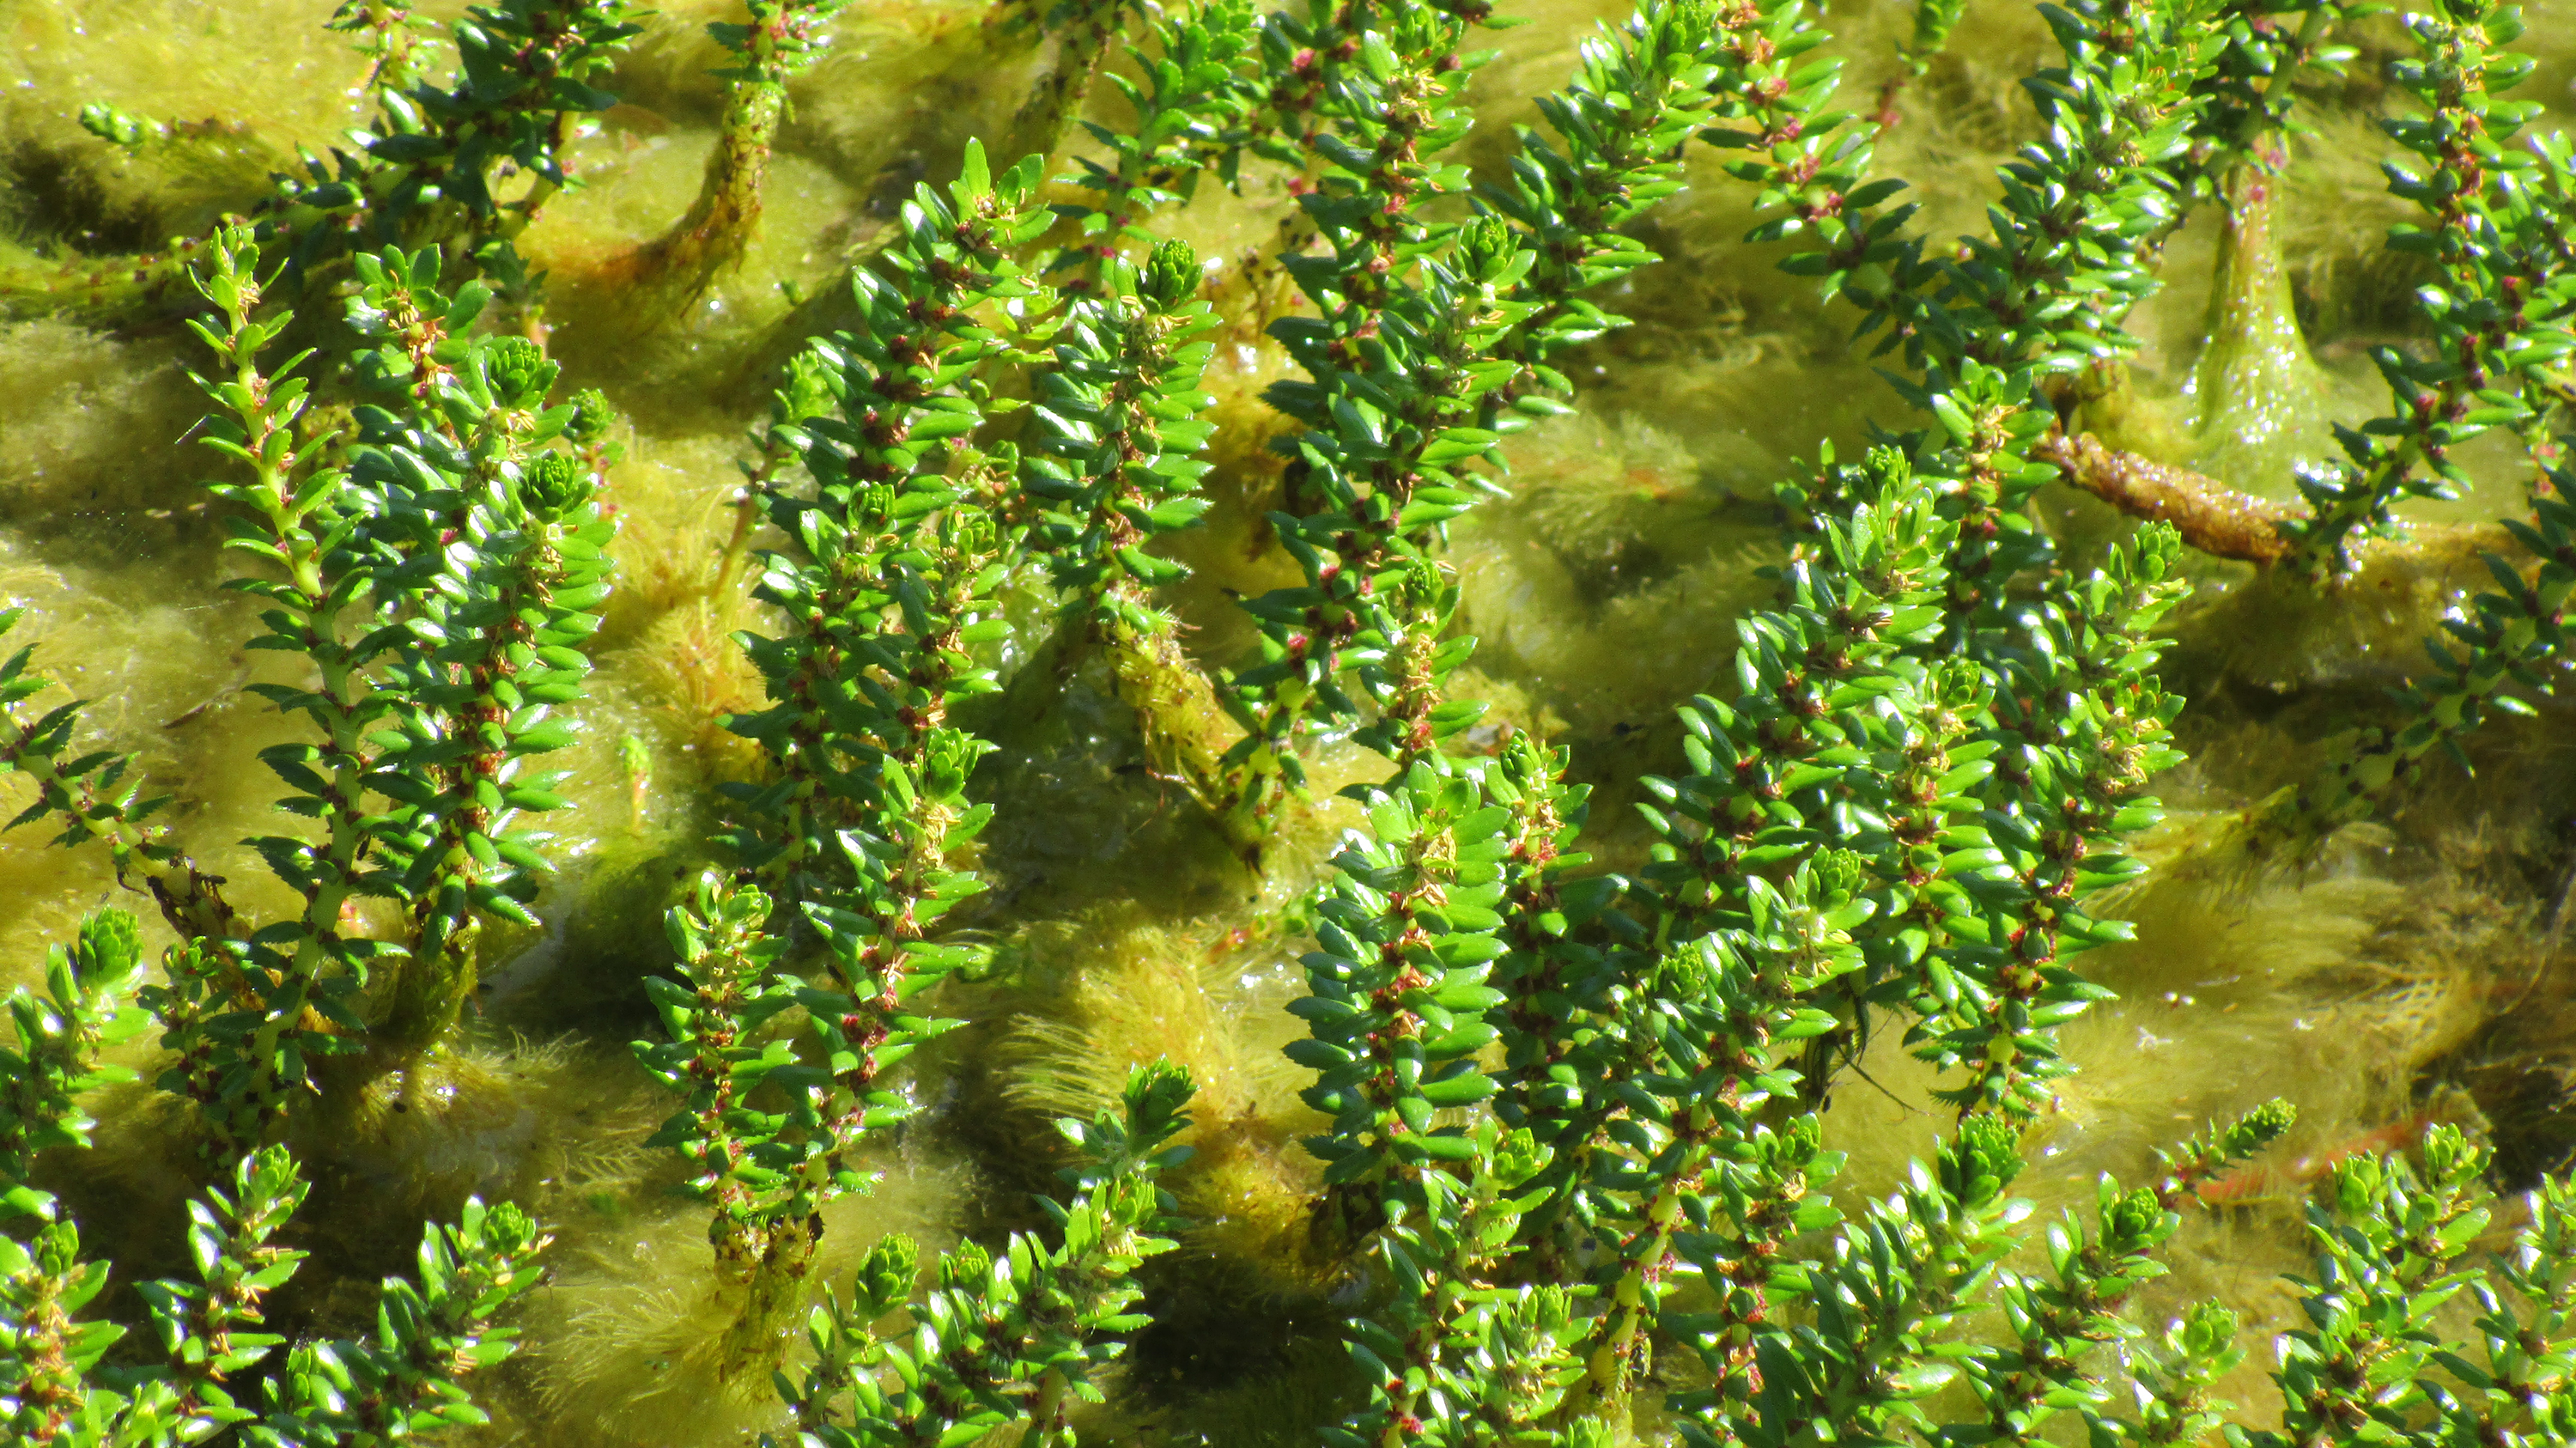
<point>2415,974</point>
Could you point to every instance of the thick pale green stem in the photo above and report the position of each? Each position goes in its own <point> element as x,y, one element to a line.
<point>1043,120</point>
<point>1186,729</point>
<point>1634,1296</point>
<point>675,269</point>
<point>2255,384</point>
<point>772,1284</point>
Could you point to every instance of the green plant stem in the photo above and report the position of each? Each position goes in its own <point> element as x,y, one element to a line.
<point>675,269</point>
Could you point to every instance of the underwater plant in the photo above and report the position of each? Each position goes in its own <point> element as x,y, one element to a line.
<point>1560,1147</point>
<point>434,170</point>
<point>436,563</point>
<point>432,1329</point>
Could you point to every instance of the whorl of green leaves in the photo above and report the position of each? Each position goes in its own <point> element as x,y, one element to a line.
<point>2202,1156</point>
<point>1685,1160</point>
<point>1193,99</point>
<point>771,1135</point>
<point>1392,427</point>
<point>2071,248</point>
<point>1311,51</point>
<point>1644,1103</point>
<point>201,1324</point>
<point>1396,1009</point>
<point>1403,307</point>
<point>425,173</point>
<point>2526,1337</point>
<point>717,1057</point>
<point>1620,124</point>
<point>438,570</point>
<point>1850,757</point>
<point>1559,927</point>
<point>2059,1320</point>
<point>2175,1376</point>
<point>90,797</point>
<point>905,801</point>
<point>1890,1288</point>
<point>297,515</point>
<point>2388,1243</point>
<point>1986,319</point>
<point>2501,306</point>
<point>1980,832</point>
<point>884,531</point>
<point>522,67</point>
<point>432,1328</point>
<point>2508,640</point>
<point>2075,774</point>
<point>1978,920</point>
<point>2500,310</point>
<point>1427,348</point>
<point>54,1389</point>
<point>1015,1337</point>
<point>1111,470</point>
<point>1451,1357</point>
<point>885,596</point>
<point>1807,676</point>
<point>87,1007</point>
<point>1891,1294</point>
<point>1809,162</point>
<point>2269,44</point>
<point>504,575</point>
<point>1118,427</point>
<point>87,794</point>
<point>402,1383</point>
<point>1972,935</point>
<point>51,1389</point>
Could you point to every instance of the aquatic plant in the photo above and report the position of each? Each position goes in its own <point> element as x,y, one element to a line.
<point>780,40</point>
<point>435,169</point>
<point>57,1383</point>
<point>1574,1176</point>
<point>1012,1338</point>
<point>435,563</point>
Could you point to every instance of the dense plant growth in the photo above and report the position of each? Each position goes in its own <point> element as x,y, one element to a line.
<point>1570,1123</point>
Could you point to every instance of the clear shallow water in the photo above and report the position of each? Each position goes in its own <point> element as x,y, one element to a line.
<point>2416,974</point>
